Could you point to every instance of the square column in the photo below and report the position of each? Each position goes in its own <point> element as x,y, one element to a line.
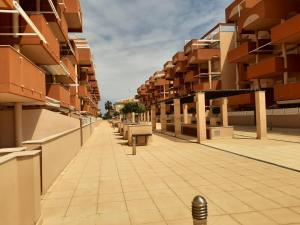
<point>133,117</point>
<point>224,111</point>
<point>201,117</point>
<point>153,117</point>
<point>185,113</point>
<point>163,117</point>
<point>261,114</point>
<point>148,116</point>
<point>177,117</point>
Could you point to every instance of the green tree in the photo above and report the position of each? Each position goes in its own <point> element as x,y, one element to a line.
<point>108,107</point>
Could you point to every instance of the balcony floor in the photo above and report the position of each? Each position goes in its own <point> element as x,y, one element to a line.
<point>106,185</point>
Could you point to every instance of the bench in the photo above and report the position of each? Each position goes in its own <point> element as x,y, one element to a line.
<point>134,138</point>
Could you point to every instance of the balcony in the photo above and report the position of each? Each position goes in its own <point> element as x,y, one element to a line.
<point>244,99</point>
<point>287,32</point>
<point>83,91</point>
<point>216,85</point>
<point>267,68</point>
<point>181,67</point>
<point>84,77</point>
<point>287,92</point>
<point>20,79</point>
<point>190,77</point>
<point>178,82</point>
<point>59,93</point>
<point>201,55</point>
<point>38,51</point>
<point>168,65</point>
<point>75,102</point>
<point>6,4</point>
<point>73,15</point>
<point>260,17</point>
<point>179,57</point>
<point>235,9</point>
<point>191,46</point>
<point>161,82</point>
<point>71,69</point>
<point>274,66</point>
<point>241,53</point>
<point>84,56</point>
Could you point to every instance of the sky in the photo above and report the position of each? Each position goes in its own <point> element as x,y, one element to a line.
<point>131,39</point>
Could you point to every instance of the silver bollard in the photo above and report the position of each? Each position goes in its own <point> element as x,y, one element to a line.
<point>199,210</point>
<point>133,145</point>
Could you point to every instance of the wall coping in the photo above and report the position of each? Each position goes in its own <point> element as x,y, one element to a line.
<point>8,157</point>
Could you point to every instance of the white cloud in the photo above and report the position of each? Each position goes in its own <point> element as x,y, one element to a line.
<point>131,39</point>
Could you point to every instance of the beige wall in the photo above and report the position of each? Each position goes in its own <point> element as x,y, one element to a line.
<point>7,128</point>
<point>20,192</point>
<point>41,123</point>
<point>227,40</point>
<point>283,121</point>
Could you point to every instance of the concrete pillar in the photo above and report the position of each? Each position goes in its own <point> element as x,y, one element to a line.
<point>163,117</point>
<point>261,114</point>
<point>210,74</point>
<point>148,116</point>
<point>133,117</point>
<point>153,117</point>
<point>224,111</point>
<point>201,118</point>
<point>18,125</point>
<point>185,113</point>
<point>177,117</point>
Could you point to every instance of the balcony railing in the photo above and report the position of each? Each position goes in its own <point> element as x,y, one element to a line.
<point>84,56</point>
<point>73,15</point>
<point>178,82</point>
<point>244,99</point>
<point>71,69</point>
<point>20,79</point>
<point>181,67</point>
<point>60,93</point>
<point>161,82</point>
<point>242,53</point>
<point>274,66</point>
<point>75,102</point>
<point>189,77</point>
<point>179,57</point>
<point>35,49</point>
<point>287,92</point>
<point>270,67</point>
<point>216,85</point>
<point>287,32</point>
<point>6,4</point>
<point>201,55</point>
<point>237,8</point>
<point>83,91</point>
<point>260,17</point>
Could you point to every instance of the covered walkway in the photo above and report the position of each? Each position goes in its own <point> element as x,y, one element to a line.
<point>106,185</point>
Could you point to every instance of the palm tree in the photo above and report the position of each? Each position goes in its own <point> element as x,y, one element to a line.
<point>108,107</point>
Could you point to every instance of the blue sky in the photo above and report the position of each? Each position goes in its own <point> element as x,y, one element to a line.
<point>131,39</point>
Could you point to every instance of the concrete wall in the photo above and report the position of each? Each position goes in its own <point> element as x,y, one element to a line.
<point>20,192</point>
<point>7,128</point>
<point>282,121</point>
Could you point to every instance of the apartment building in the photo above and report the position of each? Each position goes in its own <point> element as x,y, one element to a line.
<point>42,65</point>
<point>255,49</point>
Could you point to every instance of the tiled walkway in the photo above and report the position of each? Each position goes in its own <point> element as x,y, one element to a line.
<point>106,185</point>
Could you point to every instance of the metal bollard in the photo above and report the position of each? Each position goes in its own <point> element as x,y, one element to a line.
<point>133,145</point>
<point>199,210</point>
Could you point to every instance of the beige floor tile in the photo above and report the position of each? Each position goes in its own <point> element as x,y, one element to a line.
<point>84,201</point>
<point>175,213</point>
<point>56,203</point>
<point>248,218</point>
<point>110,207</point>
<point>114,197</point>
<point>135,195</point>
<point>168,202</point>
<point>145,216</point>
<point>283,216</point>
<point>121,218</point>
<point>222,220</point>
<point>141,204</point>
<point>181,222</point>
<point>81,211</point>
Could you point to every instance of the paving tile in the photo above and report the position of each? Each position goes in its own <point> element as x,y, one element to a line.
<point>283,216</point>
<point>145,216</point>
<point>120,218</point>
<point>248,218</point>
<point>110,207</point>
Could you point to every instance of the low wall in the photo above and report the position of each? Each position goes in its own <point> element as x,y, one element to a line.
<point>20,190</point>
<point>282,118</point>
<point>58,150</point>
